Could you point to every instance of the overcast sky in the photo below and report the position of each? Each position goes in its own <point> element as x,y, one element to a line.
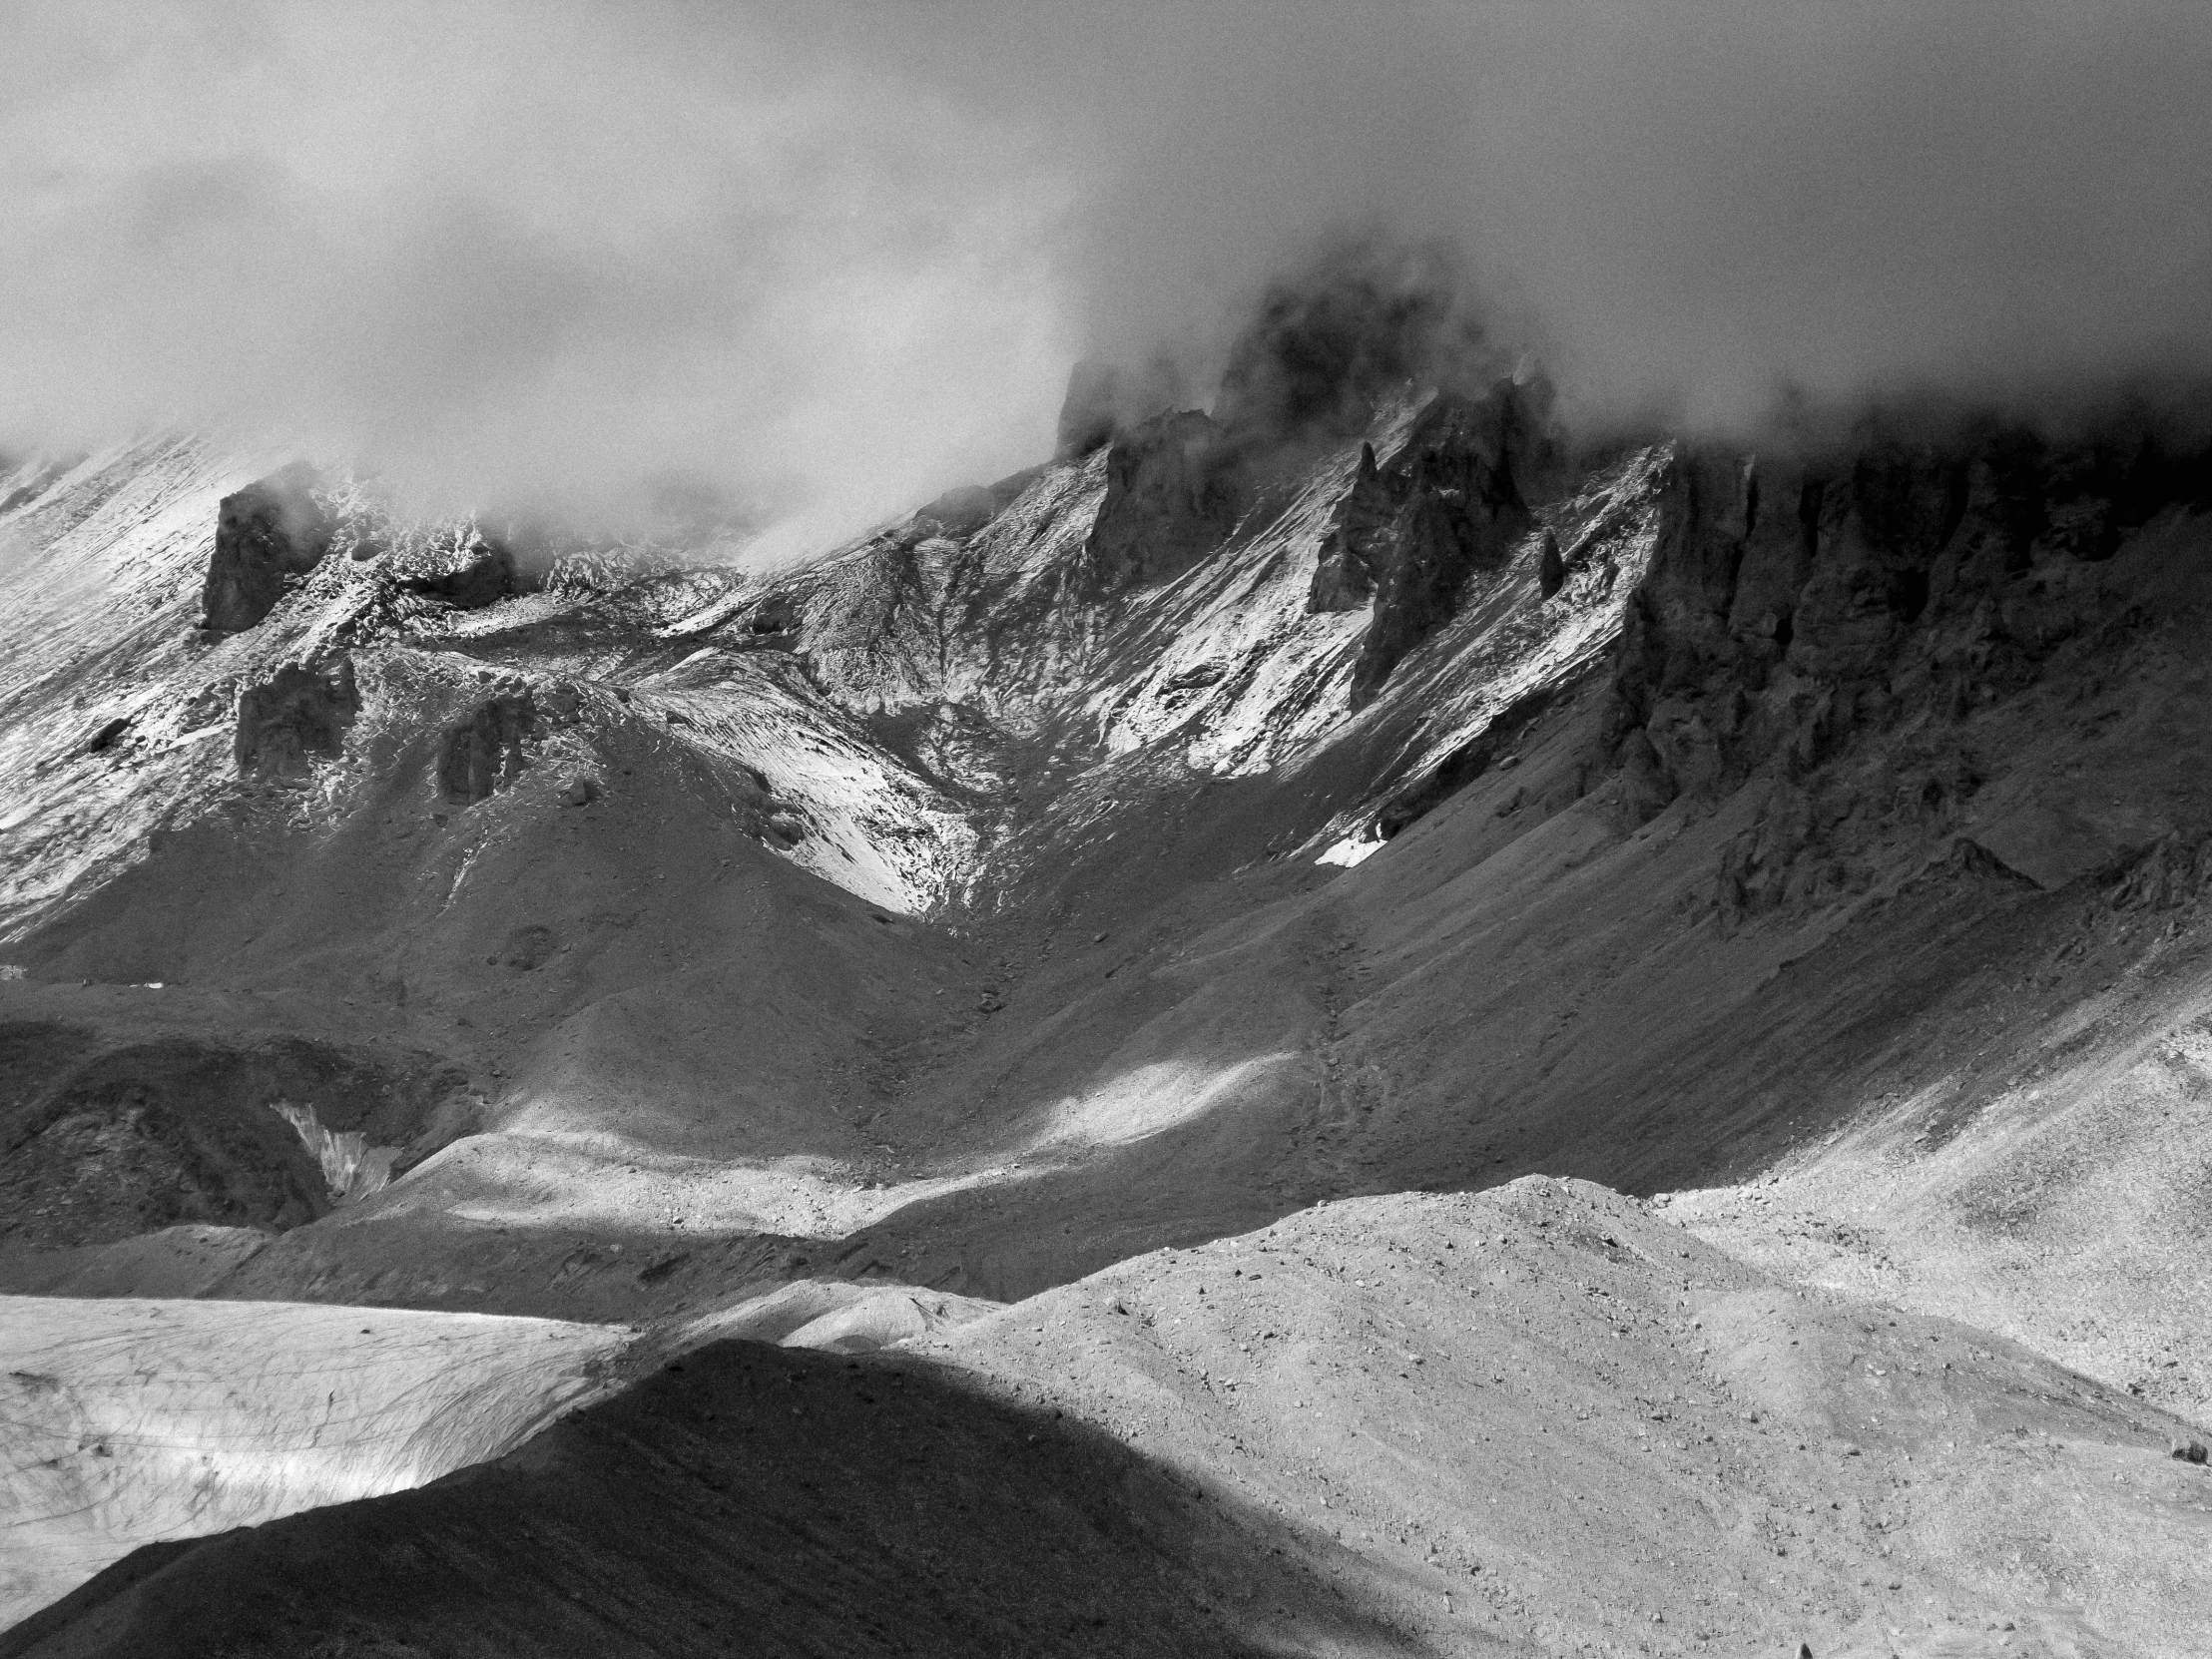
<point>831,258</point>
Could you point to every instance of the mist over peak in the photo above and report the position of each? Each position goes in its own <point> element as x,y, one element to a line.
<point>813,269</point>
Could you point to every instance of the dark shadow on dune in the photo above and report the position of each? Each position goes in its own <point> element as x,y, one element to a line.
<point>756,1500</point>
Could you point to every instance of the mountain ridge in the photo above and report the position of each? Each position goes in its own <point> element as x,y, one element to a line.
<point>1811,835</point>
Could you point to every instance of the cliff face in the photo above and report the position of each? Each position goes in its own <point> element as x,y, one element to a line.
<point>1174,491</point>
<point>1830,623</point>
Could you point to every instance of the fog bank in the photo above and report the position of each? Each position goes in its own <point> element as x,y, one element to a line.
<point>820,262</point>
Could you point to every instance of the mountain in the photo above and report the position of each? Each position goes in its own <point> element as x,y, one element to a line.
<point>1384,792</point>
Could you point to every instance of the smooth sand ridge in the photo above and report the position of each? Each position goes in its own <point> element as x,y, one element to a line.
<point>125,1423</point>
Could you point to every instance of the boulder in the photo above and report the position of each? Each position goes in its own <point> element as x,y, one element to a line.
<point>562,703</point>
<point>105,736</point>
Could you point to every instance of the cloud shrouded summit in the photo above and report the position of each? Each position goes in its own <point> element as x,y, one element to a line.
<point>827,262</point>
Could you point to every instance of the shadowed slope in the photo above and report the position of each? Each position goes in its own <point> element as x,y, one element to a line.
<point>763,1501</point>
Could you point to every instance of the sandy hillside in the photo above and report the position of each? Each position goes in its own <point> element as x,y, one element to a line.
<point>1538,1420</point>
<point>132,1422</point>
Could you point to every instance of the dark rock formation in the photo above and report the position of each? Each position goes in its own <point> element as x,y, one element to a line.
<point>485,575</point>
<point>1104,401</point>
<point>1343,579</point>
<point>771,625</point>
<point>266,533</point>
<point>1551,569</point>
<point>1174,491</point>
<point>105,735</point>
<point>483,752</point>
<point>1791,600</point>
<point>1794,605</point>
<point>1319,354</point>
<point>1460,511</point>
<point>299,713</point>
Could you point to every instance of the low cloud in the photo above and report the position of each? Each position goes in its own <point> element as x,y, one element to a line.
<point>820,262</point>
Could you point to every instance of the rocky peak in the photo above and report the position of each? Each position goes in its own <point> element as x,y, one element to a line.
<point>1410,534</point>
<point>1175,488</point>
<point>1106,400</point>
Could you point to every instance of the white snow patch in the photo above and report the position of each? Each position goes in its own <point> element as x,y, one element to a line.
<point>1353,849</point>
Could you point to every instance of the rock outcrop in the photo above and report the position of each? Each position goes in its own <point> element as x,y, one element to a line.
<point>1800,606</point>
<point>485,575</point>
<point>1174,491</point>
<point>300,712</point>
<point>482,753</point>
<point>1344,578</point>
<point>1794,601</point>
<point>265,534</point>
<point>1456,508</point>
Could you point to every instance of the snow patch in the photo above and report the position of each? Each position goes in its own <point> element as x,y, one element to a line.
<point>352,1167</point>
<point>1353,849</point>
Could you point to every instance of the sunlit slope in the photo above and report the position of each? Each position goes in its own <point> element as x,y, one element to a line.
<point>133,1421</point>
<point>1536,1420</point>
